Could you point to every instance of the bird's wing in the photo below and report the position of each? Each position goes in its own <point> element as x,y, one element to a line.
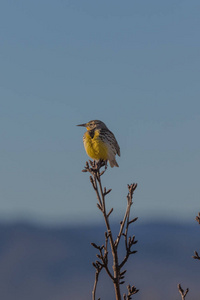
<point>110,138</point>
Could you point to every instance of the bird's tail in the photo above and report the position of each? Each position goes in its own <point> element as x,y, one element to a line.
<point>113,163</point>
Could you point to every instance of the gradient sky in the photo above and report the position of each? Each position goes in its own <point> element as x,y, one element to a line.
<point>134,65</point>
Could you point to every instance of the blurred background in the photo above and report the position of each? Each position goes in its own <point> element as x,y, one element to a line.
<point>135,66</point>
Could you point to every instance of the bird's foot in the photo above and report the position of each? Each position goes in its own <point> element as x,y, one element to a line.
<point>95,166</point>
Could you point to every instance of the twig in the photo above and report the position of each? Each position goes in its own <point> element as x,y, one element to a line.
<point>131,291</point>
<point>196,255</point>
<point>198,218</point>
<point>182,292</point>
<point>126,216</point>
<point>98,270</point>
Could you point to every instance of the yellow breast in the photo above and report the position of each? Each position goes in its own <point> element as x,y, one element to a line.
<point>95,147</point>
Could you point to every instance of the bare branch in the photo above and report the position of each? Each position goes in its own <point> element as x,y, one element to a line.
<point>117,277</point>
<point>110,212</point>
<point>131,291</point>
<point>95,246</point>
<point>198,218</point>
<point>95,283</point>
<point>107,192</point>
<point>133,220</point>
<point>131,188</point>
<point>196,255</point>
<point>182,292</point>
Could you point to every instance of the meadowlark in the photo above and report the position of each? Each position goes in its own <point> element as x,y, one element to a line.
<point>100,143</point>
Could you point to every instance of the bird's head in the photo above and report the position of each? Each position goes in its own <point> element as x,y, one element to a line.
<point>93,124</point>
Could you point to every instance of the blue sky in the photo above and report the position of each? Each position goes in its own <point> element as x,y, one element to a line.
<point>134,65</point>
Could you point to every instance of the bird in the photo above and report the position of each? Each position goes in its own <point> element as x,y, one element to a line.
<point>100,143</point>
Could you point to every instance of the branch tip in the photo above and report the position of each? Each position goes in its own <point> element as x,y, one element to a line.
<point>182,292</point>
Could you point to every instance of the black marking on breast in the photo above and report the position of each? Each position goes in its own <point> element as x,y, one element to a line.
<point>91,133</point>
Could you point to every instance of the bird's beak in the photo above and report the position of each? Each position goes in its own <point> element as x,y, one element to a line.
<point>83,125</point>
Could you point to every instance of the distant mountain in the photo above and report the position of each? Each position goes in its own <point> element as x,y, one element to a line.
<point>56,263</point>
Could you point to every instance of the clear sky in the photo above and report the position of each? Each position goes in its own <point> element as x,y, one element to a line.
<point>134,65</point>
